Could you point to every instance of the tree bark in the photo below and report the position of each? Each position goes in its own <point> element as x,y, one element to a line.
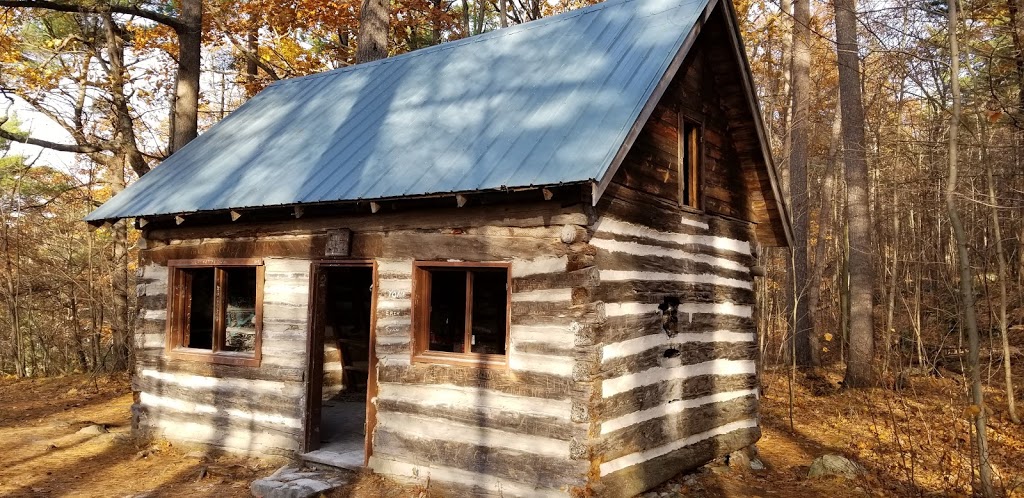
<point>997,233</point>
<point>966,281</point>
<point>798,155</point>
<point>859,371</point>
<point>186,91</point>
<point>373,31</point>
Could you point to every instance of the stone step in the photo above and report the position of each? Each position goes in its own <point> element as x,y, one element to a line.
<point>299,482</point>
<point>348,460</point>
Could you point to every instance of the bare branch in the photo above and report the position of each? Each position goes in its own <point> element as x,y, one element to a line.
<point>173,22</point>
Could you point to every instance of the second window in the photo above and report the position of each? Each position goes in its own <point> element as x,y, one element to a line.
<point>462,310</point>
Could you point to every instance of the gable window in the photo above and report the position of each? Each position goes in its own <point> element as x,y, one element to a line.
<point>461,312</point>
<point>689,163</point>
<point>215,310</point>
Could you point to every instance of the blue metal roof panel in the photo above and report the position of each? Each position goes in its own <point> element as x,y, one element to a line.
<point>544,103</point>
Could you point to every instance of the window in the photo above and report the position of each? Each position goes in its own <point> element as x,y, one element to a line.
<point>461,312</point>
<point>215,310</point>
<point>689,164</point>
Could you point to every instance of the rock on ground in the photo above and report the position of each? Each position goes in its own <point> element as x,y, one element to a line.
<point>834,465</point>
<point>293,482</point>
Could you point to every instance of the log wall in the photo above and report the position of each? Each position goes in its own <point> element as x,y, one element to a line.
<point>518,430</point>
<point>506,431</point>
<point>250,409</point>
<point>674,374</point>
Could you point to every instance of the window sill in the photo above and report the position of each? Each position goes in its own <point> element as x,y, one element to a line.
<point>691,209</point>
<point>222,357</point>
<point>462,359</point>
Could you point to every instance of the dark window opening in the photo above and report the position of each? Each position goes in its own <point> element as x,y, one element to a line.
<point>489,311</point>
<point>448,311</point>
<point>690,164</point>
<point>199,334</point>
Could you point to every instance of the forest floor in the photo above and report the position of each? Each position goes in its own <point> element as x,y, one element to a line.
<point>911,442</point>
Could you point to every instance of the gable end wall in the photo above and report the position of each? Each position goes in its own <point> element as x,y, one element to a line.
<point>651,416</point>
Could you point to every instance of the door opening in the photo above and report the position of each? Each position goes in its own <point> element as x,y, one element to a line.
<point>340,351</point>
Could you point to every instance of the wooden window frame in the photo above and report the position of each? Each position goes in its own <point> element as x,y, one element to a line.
<point>178,303</point>
<point>691,165</point>
<point>421,287</point>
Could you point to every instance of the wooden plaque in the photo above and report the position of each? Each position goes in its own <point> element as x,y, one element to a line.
<point>338,242</point>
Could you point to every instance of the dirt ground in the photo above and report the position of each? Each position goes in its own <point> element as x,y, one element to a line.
<point>911,442</point>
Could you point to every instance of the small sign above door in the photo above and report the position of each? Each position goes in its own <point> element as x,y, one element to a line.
<point>339,242</point>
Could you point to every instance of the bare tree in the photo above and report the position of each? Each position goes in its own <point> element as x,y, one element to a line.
<point>859,371</point>
<point>966,282</point>
<point>800,137</point>
<point>187,25</point>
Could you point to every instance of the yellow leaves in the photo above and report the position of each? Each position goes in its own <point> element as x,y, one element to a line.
<point>828,336</point>
<point>972,411</point>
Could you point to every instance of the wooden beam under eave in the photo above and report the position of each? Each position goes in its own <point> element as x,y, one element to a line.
<point>235,215</point>
<point>374,207</point>
<point>298,211</point>
<point>179,219</point>
<point>461,200</point>
<point>548,194</point>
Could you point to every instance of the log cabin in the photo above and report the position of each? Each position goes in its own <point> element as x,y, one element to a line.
<point>517,264</point>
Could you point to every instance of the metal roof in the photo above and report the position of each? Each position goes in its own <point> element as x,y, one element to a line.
<point>544,103</point>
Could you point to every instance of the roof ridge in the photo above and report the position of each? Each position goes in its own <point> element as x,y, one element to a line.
<point>477,38</point>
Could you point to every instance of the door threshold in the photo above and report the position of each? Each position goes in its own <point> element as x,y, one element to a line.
<point>349,460</point>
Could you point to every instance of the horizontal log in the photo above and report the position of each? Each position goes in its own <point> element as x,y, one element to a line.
<point>217,431</point>
<point>738,252</point>
<point>628,382</point>
<point>656,290</point>
<point>653,395</point>
<point>517,466</point>
<point>657,432</point>
<point>447,481</point>
<point>485,417</point>
<point>433,246</point>
<point>263,372</point>
<point>304,247</point>
<point>223,400</point>
<point>585,277</point>
<point>689,354</point>
<point>661,250</point>
<point>636,479</point>
<point>152,301</point>
<point>626,327</point>
<point>530,384</point>
<point>611,260</point>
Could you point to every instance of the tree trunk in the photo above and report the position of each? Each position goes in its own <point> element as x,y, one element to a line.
<point>966,282</point>
<point>185,121</point>
<point>859,372</point>
<point>997,233</point>
<point>373,31</point>
<point>798,155</point>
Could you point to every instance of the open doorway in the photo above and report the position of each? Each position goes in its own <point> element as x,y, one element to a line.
<point>340,350</point>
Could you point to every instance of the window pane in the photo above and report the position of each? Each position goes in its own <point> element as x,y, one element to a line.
<point>200,308</point>
<point>447,311</point>
<point>490,307</point>
<point>240,309</point>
